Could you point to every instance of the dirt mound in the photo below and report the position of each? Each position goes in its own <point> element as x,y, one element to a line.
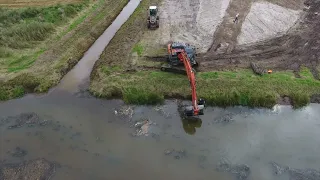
<point>35,169</point>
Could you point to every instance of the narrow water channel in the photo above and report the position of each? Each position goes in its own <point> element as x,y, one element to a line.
<point>98,139</point>
<point>79,75</point>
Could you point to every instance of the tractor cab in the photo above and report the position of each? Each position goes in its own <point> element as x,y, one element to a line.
<point>153,17</point>
<point>153,10</point>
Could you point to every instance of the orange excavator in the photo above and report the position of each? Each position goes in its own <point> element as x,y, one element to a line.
<point>178,54</point>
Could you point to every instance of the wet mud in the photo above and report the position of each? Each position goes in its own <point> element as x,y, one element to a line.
<point>176,154</point>
<point>39,169</point>
<point>295,174</point>
<point>241,172</point>
<point>23,119</point>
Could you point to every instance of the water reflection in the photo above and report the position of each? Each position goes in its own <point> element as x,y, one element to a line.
<point>190,125</point>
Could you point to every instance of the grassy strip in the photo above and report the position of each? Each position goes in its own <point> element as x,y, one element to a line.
<point>218,88</point>
<point>60,54</point>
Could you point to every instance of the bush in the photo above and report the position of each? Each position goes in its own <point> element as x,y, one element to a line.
<point>299,99</point>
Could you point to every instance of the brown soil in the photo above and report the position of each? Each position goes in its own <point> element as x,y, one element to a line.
<point>300,47</point>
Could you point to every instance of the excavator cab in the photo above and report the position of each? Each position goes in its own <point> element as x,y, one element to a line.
<point>175,48</point>
<point>153,17</point>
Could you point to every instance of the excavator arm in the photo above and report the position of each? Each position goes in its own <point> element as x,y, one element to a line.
<point>197,107</point>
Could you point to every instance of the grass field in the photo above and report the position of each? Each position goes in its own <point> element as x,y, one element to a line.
<point>33,3</point>
<point>38,45</point>
<point>111,78</point>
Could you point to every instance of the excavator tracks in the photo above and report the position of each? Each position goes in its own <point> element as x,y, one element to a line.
<point>174,69</point>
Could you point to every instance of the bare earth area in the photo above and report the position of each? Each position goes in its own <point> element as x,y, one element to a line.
<point>191,21</point>
<point>266,20</point>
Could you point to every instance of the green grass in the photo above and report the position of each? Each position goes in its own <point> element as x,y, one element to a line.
<point>54,56</point>
<point>217,88</point>
<point>23,62</point>
<point>78,21</point>
<point>22,29</point>
<point>138,48</point>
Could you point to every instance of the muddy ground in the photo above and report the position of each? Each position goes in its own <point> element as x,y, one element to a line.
<point>40,169</point>
<point>281,37</point>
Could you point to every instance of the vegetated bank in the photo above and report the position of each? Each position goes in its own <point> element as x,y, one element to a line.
<point>136,80</point>
<point>39,45</point>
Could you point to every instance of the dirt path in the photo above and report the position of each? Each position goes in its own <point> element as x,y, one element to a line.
<point>225,37</point>
<point>253,24</point>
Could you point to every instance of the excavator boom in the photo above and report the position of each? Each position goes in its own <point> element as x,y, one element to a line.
<point>197,107</point>
<point>180,53</point>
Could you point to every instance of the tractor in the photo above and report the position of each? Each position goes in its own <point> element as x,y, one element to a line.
<point>153,17</point>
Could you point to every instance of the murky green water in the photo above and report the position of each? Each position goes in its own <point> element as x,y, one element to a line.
<point>90,141</point>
